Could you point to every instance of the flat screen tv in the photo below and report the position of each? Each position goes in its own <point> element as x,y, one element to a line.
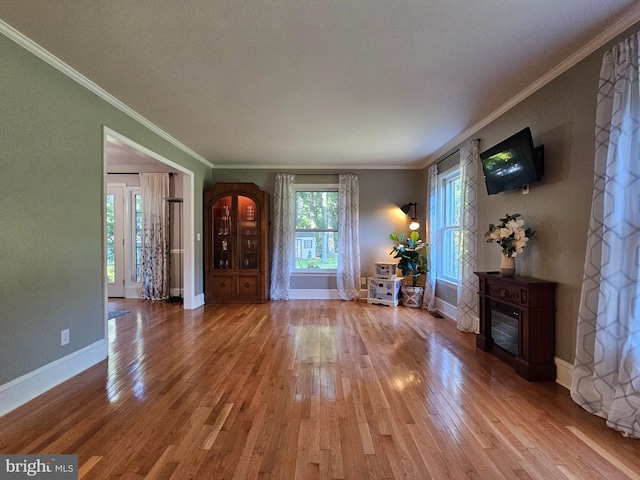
<point>513,163</point>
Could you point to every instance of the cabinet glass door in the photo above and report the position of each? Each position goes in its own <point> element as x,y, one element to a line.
<point>248,233</point>
<point>222,237</point>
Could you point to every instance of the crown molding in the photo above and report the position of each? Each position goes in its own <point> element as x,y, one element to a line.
<point>28,44</point>
<point>327,166</point>
<point>606,35</point>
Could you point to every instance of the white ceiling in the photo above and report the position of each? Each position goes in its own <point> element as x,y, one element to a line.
<point>319,83</point>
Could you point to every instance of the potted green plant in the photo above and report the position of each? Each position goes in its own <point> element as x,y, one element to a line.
<point>412,263</point>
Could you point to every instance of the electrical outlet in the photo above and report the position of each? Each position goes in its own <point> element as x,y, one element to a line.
<point>363,281</point>
<point>64,336</point>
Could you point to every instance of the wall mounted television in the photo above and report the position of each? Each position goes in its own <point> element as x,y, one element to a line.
<point>513,163</point>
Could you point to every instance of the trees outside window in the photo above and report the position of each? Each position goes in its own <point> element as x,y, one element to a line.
<point>316,228</point>
<point>449,225</point>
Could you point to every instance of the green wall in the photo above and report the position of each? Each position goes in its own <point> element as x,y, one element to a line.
<point>51,200</point>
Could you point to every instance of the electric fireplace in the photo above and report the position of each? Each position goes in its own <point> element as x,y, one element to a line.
<point>517,323</point>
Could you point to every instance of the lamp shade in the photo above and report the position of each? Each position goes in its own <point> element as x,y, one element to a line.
<point>414,225</point>
<point>406,208</point>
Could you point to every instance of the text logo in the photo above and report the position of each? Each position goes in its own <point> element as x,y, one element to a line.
<point>50,467</point>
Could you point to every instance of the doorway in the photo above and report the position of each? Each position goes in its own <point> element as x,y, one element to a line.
<point>115,240</point>
<point>140,159</point>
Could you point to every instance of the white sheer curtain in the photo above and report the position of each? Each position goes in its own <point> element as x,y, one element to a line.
<point>348,274</point>
<point>284,212</point>
<point>429,299</point>
<point>606,377</point>
<point>467,250</point>
<point>154,188</point>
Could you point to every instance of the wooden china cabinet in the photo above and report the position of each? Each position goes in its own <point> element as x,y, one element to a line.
<point>236,223</point>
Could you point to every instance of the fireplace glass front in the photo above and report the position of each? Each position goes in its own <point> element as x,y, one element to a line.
<point>505,326</point>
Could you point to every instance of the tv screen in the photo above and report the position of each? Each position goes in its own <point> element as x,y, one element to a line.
<point>511,164</point>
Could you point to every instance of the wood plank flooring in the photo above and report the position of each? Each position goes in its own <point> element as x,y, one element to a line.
<point>310,390</point>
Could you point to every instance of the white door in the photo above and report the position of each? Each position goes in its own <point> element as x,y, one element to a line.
<point>115,240</point>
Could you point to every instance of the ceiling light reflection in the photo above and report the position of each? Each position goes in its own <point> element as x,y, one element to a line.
<point>402,381</point>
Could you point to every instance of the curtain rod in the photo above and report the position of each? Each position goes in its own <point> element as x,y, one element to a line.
<point>455,151</point>
<point>442,160</point>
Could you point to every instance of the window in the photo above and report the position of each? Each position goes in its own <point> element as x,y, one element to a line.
<point>136,229</point>
<point>449,225</point>
<point>111,255</point>
<point>316,228</point>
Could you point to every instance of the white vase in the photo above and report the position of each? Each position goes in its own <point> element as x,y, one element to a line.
<point>507,266</point>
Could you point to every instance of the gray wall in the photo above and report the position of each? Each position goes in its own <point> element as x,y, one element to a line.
<point>382,192</point>
<point>562,117</point>
<point>51,203</point>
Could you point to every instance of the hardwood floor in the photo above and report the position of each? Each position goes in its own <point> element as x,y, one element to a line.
<point>306,390</point>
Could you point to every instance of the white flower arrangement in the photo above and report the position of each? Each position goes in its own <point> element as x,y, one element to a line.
<point>510,234</point>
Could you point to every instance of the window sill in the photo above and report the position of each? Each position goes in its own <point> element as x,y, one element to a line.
<point>317,271</point>
<point>448,282</point>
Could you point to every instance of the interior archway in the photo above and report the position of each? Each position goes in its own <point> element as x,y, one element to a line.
<point>122,155</point>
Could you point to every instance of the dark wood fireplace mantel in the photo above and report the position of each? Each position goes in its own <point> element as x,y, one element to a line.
<point>524,307</point>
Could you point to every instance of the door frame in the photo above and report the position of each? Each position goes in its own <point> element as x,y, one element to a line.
<point>191,300</point>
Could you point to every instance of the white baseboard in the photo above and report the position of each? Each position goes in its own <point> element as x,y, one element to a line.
<point>196,301</point>
<point>313,294</point>
<point>564,372</point>
<point>451,312</point>
<point>132,292</point>
<point>27,387</point>
<point>193,303</point>
<point>446,309</point>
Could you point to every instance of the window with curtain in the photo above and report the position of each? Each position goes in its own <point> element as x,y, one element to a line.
<point>429,299</point>
<point>316,232</point>
<point>453,209</point>
<point>467,308</point>
<point>155,239</point>
<point>348,271</point>
<point>284,205</point>
<point>606,376</point>
<point>449,225</point>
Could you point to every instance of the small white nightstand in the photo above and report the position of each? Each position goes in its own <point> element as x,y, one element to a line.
<point>384,291</point>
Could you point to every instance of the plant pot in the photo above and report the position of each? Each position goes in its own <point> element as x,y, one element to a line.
<point>412,296</point>
<point>507,266</point>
